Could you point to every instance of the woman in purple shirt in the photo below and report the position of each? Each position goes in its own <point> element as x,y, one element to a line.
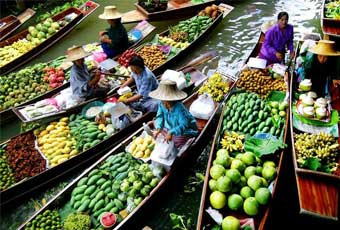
<point>276,39</point>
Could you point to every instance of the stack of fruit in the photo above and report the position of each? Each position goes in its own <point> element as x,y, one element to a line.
<point>125,58</point>
<point>153,56</point>
<point>6,175</point>
<point>40,32</point>
<point>211,11</point>
<point>119,184</point>
<point>56,143</point>
<point>15,50</point>
<point>54,77</point>
<point>142,146</point>
<point>216,87</point>
<point>172,42</point>
<point>240,183</point>
<point>47,220</point>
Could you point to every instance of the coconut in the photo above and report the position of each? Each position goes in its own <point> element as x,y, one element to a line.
<point>312,94</point>
<point>321,113</point>
<point>307,101</point>
<point>305,85</point>
<point>308,111</point>
<point>320,103</point>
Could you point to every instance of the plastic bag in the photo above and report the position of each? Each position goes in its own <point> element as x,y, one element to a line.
<point>175,76</point>
<point>164,153</point>
<point>121,122</point>
<point>306,45</point>
<point>203,107</point>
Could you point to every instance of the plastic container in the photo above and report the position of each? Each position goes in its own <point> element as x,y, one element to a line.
<point>108,220</point>
<point>99,56</point>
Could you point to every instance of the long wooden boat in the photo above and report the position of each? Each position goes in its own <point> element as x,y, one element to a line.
<point>318,192</point>
<point>10,23</point>
<point>173,10</point>
<point>330,26</point>
<point>204,221</point>
<point>8,114</point>
<point>182,53</point>
<point>127,222</point>
<point>29,185</point>
<point>49,41</point>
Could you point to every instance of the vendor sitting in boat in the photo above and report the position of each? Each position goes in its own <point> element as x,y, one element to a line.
<point>115,39</point>
<point>83,85</point>
<point>320,66</point>
<point>173,120</point>
<point>146,82</point>
<point>276,39</point>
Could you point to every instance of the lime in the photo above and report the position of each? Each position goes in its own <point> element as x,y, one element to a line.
<point>269,163</point>
<point>237,164</point>
<point>239,156</point>
<point>259,170</point>
<point>255,182</point>
<point>235,202</point>
<point>249,171</point>
<point>224,184</point>
<point>212,185</point>
<point>218,200</point>
<point>216,171</point>
<point>248,158</point>
<point>223,160</point>
<point>250,206</point>
<point>262,196</point>
<point>246,192</point>
<point>243,181</point>
<point>234,175</point>
<point>222,152</point>
<point>269,172</point>
<point>231,223</point>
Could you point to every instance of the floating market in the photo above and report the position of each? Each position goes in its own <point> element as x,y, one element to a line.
<point>169,114</point>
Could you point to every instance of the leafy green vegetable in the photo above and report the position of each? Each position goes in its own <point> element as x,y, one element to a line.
<point>263,146</point>
<point>180,222</point>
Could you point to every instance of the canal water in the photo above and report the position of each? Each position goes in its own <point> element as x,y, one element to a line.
<point>234,39</point>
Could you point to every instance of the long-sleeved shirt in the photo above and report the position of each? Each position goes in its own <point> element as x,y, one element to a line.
<point>119,38</point>
<point>79,81</point>
<point>178,121</point>
<point>145,82</point>
<point>275,41</point>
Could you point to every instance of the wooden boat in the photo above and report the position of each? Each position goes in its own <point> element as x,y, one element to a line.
<point>127,222</point>
<point>330,26</point>
<point>26,187</point>
<point>10,23</point>
<point>318,192</point>
<point>182,53</point>
<point>204,221</point>
<point>8,114</point>
<point>48,42</point>
<point>173,10</point>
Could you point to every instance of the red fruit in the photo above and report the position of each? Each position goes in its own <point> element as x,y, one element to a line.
<point>60,79</point>
<point>46,78</point>
<point>54,85</point>
<point>60,73</point>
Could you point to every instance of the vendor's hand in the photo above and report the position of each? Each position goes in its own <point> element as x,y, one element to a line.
<point>168,137</point>
<point>156,133</point>
<point>279,56</point>
<point>292,55</point>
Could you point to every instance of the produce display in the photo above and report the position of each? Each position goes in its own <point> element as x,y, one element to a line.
<point>47,220</point>
<point>40,32</point>
<point>169,41</point>
<point>232,141</point>
<point>317,151</point>
<point>153,5</point>
<point>142,146</point>
<point>125,58</point>
<point>248,113</point>
<point>332,9</point>
<point>153,56</point>
<point>56,143</point>
<point>24,160</point>
<point>216,87</point>
<point>54,77</point>
<point>210,11</point>
<point>118,185</point>
<point>15,50</point>
<point>6,175</point>
<point>260,82</point>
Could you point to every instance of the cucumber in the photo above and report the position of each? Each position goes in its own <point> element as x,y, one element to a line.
<point>105,185</point>
<point>94,143</point>
<point>229,124</point>
<point>107,190</point>
<point>121,176</point>
<point>109,206</point>
<point>77,204</point>
<point>84,198</point>
<point>260,115</point>
<point>268,121</point>
<point>100,204</point>
<point>79,190</point>
<point>262,124</point>
<point>272,130</point>
<point>93,179</point>
<point>252,131</point>
<point>95,171</point>
<point>82,181</point>
<point>265,129</point>
<point>92,203</point>
<point>72,117</point>
<point>118,204</point>
<point>84,205</point>
<point>112,195</point>
<point>235,126</point>
<point>78,197</point>
<point>100,181</point>
<point>97,213</point>
<point>101,135</point>
<point>90,190</point>
<point>100,195</point>
<point>123,168</point>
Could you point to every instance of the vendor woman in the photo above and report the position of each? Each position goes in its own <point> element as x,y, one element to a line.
<point>115,39</point>
<point>173,120</point>
<point>83,85</point>
<point>320,66</point>
<point>276,39</point>
<point>146,82</point>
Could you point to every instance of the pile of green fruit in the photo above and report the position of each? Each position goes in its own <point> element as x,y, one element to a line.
<point>6,175</point>
<point>13,51</point>
<point>248,113</point>
<point>77,221</point>
<point>120,183</point>
<point>240,182</point>
<point>40,32</point>
<point>193,27</point>
<point>47,220</point>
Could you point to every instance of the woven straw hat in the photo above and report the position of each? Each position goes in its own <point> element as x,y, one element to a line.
<point>110,12</point>
<point>265,26</point>
<point>76,53</point>
<point>325,47</point>
<point>168,91</point>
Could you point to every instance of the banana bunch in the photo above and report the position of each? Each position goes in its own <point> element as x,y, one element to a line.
<point>13,51</point>
<point>125,96</point>
<point>232,141</point>
<point>56,143</point>
<point>170,41</point>
<point>216,87</point>
<point>322,146</point>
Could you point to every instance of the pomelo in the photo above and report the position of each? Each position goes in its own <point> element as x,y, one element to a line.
<point>222,152</point>
<point>249,171</point>
<point>223,160</point>
<point>234,175</point>
<point>262,196</point>
<point>248,158</point>
<point>255,182</point>
<point>223,184</point>
<point>217,199</point>
<point>243,181</point>
<point>269,172</point>
<point>259,170</point>
<point>212,185</point>
<point>246,192</point>
<point>235,202</point>
<point>269,163</point>
<point>216,171</point>
<point>237,164</point>
<point>250,206</point>
<point>231,223</point>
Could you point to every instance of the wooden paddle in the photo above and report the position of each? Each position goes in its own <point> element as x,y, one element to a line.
<point>200,59</point>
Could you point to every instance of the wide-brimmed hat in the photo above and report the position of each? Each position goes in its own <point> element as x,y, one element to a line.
<point>76,53</point>
<point>110,12</point>
<point>325,47</point>
<point>265,26</point>
<point>168,91</point>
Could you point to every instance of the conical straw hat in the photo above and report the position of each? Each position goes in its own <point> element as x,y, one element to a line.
<point>110,12</point>
<point>325,47</point>
<point>76,53</point>
<point>168,91</point>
